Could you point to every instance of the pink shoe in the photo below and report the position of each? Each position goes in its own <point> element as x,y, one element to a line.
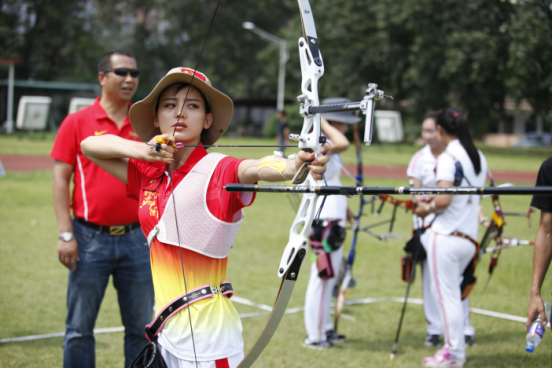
<point>443,358</point>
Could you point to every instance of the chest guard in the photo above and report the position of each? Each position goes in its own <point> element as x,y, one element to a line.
<point>198,229</point>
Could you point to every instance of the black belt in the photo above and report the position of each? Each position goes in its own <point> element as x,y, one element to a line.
<point>111,230</point>
<point>183,301</point>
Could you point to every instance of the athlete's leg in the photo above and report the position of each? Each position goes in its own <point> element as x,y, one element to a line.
<point>314,305</point>
<point>469,330</point>
<point>431,311</point>
<point>448,257</point>
<point>336,257</point>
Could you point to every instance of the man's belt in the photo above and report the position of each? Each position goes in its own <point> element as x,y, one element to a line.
<point>111,230</point>
<point>183,301</point>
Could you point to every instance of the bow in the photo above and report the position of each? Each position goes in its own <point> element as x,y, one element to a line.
<point>408,204</point>
<point>348,272</point>
<point>494,231</point>
<point>312,68</point>
<point>509,243</point>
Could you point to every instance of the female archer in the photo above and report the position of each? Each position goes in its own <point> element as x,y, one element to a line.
<point>190,220</point>
<point>450,241</point>
<point>327,235</point>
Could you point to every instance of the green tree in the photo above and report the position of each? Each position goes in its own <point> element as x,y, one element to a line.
<point>164,35</point>
<point>530,62</point>
<point>53,39</point>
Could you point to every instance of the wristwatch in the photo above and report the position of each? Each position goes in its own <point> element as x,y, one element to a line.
<point>66,237</point>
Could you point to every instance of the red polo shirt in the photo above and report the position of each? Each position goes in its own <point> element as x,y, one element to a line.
<point>97,196</point>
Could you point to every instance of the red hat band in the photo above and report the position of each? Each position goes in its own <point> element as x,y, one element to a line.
<point>197,74</point>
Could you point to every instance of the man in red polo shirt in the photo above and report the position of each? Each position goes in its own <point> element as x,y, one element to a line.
<point>104,237</point>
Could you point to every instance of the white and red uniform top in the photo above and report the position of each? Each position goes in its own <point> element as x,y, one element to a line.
<point>216,325</point>
<point>91,200</point>
<point>335,206</point>
<point>422,167</point>
<point>461,214</point>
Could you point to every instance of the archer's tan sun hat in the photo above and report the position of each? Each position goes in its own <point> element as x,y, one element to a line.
<point>142,112</point>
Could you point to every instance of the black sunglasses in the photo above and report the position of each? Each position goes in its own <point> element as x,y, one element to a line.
<point>123,72</point>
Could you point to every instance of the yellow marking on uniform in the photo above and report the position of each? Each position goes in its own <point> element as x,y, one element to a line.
<point>100,133</point>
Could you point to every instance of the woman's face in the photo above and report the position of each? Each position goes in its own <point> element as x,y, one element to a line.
<point>190,122</point>
<point>429,132</point>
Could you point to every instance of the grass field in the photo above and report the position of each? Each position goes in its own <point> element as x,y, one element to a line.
<point>33,287</point>
<point>506,159</point>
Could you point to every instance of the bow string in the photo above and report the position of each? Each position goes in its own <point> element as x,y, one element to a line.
<point>310,139</point>
<point>170,171</point>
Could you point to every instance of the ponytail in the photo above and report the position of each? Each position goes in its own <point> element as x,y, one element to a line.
<point>454,123</point>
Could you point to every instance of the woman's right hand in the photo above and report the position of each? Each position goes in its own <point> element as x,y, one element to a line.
<point>163,152</point>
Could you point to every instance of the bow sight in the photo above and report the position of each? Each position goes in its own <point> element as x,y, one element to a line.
<point>367,106</point>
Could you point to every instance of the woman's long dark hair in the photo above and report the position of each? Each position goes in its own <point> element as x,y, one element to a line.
<point>454,123</point>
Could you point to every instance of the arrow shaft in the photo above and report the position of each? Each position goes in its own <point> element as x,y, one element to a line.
<point>341,190</point>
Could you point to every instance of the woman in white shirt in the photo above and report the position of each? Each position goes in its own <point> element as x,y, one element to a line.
<point>450,242</point>
<point>421,172</point>
<point>327,235</point>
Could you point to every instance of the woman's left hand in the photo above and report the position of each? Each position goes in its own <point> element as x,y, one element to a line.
<point>318,165</point>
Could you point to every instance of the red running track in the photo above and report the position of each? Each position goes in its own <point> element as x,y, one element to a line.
<point>26,163</point>
<point>397,172</point>
<point>34,163</point>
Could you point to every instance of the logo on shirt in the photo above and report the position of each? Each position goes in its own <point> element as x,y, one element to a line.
<point>132,134</point>
<point>150,199</point>
<point>100,133</point>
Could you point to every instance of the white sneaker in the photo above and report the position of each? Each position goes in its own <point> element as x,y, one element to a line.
<point>317,345</point>
<point>443,359</point>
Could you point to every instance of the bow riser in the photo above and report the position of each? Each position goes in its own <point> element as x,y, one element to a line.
<point>299,229</point>
<point>312,68</point>
<point>309,139</point>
